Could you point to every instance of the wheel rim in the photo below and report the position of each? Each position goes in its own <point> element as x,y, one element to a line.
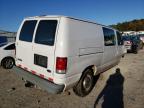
<point>9,63</point>
<point>87,82</point>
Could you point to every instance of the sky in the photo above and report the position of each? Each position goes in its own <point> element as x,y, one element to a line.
<point>106,12</point>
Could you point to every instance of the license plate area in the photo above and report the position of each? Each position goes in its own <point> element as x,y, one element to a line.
<point>40,60</point>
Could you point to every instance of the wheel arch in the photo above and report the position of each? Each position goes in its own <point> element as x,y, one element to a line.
<point>79,85</point>
<point>93,67</point>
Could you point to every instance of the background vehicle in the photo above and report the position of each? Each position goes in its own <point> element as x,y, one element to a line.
<point>141,42</point>
<point>142,38</point>
<point>64,52</point>
<point>132,43</point>
<point>7,55</point>
<point>3,40</point>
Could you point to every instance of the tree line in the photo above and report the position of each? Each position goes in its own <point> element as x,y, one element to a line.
<point>134,25</point>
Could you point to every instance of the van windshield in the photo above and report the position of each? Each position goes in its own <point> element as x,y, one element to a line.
<point>45,33</point>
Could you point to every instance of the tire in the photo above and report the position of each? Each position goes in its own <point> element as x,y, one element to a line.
<point>8,63</point>
<point>85,84</point>
<point>136,51</point>
<point>142,46</point>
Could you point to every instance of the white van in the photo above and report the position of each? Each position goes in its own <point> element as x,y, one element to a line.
<point>58,52</point>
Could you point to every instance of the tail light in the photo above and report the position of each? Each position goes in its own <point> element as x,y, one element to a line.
<point>128,42</point>
<point>61,65</point>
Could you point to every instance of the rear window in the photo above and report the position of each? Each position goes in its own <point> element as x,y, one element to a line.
<point>46,32</point>
<point>27,31</point>
<point>126,38</point>
<point>130,38</point>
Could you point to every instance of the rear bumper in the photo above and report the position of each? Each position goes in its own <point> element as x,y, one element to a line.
<point>42,83</point>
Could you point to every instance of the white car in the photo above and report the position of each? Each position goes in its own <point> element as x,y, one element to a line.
<point>142,37</point>
<point>58,53</point>
<point>7,55</point>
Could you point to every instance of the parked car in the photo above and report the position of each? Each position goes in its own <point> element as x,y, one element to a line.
<point>142,38</point>
<point>140,42</point>
<point>7,55</point>
<point>132,43</point>
<point>58,53</point>
<point>3,39</point>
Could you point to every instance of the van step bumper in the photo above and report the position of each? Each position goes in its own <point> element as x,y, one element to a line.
<point>42,83</point>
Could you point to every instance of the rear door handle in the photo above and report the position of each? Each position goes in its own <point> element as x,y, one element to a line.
<point>19,59</point>
<point>49,71</point>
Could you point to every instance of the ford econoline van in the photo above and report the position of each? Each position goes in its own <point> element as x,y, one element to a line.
<point>57,53</point>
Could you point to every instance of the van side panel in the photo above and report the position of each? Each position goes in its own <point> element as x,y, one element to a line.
<point>82,43</point>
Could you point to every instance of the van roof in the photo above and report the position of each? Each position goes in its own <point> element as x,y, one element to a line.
<point>59,16</point>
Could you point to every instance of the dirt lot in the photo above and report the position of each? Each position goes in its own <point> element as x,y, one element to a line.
<point>121,89</point>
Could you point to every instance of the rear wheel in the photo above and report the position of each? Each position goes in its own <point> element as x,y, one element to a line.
<point>8,63</point>
<point>85,85</point>
<point>135,51</point>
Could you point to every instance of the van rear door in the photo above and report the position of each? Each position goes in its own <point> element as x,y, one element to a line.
<point>37,54</point>
<point>44,47</point>
<point>24,43</point>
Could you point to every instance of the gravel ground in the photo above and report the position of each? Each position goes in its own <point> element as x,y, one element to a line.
<point>121,88</point>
